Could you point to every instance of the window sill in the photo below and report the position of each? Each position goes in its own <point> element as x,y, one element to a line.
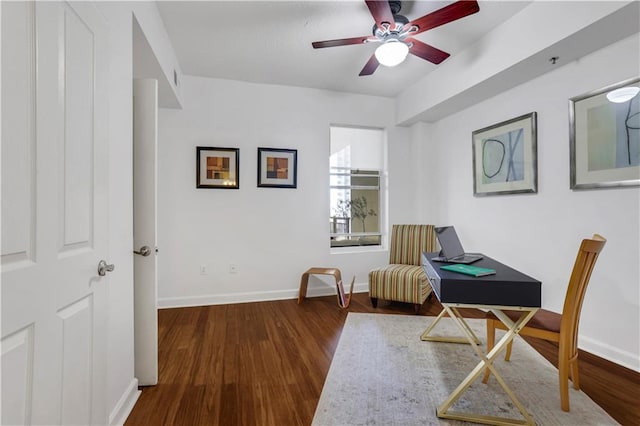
<point>356,249</point>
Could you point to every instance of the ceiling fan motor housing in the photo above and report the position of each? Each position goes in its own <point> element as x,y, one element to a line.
<point>400,20</point>
<point>395,6</point>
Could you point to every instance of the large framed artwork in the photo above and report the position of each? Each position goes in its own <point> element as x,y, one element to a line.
<point>505,158</point>
<point>277,168</point>
<point>604,139</point>
<point>217,167</point>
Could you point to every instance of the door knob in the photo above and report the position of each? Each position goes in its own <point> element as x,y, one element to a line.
<point>103,268</point>
<point>144,251</point>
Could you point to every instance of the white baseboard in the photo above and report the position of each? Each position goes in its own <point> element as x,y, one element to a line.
<point>123,408</point>
<point>615,355</point>
<point>228,298</point>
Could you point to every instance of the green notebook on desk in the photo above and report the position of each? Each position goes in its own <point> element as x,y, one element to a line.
<point>474,271</point>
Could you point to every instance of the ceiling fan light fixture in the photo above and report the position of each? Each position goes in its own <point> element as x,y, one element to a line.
<point>391,53</point>
<point>623,94</point>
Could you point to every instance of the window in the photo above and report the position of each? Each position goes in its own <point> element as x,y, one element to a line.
<point>356,165</point>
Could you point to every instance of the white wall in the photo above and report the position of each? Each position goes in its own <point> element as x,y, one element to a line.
<point>122,386</point>
<point>273,235</point>
<point>154,56</point>
<point>539,234</point>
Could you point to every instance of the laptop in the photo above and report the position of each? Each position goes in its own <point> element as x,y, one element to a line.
<point>452,250</point>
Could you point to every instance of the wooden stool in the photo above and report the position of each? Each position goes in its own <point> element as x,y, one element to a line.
<point>343,301</point>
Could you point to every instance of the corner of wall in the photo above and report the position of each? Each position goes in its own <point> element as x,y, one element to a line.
<point>166,67</point>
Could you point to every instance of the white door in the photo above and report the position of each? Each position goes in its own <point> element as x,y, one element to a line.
<point>54,204</point>
<point>145,132</point>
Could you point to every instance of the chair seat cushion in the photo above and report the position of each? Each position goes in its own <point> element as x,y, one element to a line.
<point>542,320</point>
<point>402,283</point>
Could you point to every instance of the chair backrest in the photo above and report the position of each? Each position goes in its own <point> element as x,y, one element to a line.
<point>409,241</point>
<point>582,268</point>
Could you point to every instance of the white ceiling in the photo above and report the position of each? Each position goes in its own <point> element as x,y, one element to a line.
<point>270,41</point>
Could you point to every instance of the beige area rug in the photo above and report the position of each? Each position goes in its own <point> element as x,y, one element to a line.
<point>383,374</point>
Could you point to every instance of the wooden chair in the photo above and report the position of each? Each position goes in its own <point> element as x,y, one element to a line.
<point>559,328</point>
<point>404,280</point>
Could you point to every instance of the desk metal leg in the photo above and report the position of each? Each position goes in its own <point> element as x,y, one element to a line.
<point>486,362</point>
<point>448,339</point>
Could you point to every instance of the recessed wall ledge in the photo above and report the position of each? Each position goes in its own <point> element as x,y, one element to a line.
<point>516,52</point>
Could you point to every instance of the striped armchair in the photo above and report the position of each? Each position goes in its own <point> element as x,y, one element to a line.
<point>404,280</point>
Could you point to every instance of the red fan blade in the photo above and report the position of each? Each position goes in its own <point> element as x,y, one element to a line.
<point>427,52</point>
<point>380,11</point>
<point>370,66</point>
<point>454,11</point>
<point>339,42</point>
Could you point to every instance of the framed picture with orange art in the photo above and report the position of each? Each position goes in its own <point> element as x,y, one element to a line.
<point>277,168</point>
<point>217,167</point>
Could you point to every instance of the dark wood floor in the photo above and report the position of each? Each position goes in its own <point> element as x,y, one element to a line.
<point>265,364</point>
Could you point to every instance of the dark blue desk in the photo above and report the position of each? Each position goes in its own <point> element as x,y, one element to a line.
<point>508,289</point>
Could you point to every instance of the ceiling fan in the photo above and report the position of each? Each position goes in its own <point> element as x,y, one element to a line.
<point>395,33</point>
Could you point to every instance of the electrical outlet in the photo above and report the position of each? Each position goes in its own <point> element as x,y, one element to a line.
<point>203,269</point>
<point>233,269</point>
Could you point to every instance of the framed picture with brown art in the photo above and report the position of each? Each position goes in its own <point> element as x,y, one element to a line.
<point>277,168</point>
<point>217,167</point>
